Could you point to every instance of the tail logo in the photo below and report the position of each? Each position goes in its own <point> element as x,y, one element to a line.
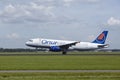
<point>101,37</point>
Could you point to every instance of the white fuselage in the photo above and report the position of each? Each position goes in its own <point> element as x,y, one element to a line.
<point>47,43</point>
<point>85,46</point>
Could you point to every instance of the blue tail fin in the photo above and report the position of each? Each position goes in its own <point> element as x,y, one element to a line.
<point>101,38</point>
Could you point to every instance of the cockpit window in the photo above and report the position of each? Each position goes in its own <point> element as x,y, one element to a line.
<point>30,40</point>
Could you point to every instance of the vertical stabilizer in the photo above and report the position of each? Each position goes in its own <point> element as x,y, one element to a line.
<point>101,38</point>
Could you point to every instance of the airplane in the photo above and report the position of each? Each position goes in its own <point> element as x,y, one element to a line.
<point>65,45</point>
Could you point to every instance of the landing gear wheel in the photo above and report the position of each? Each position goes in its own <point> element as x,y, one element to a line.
<point>64,53</point>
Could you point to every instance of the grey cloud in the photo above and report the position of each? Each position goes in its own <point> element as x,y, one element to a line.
<point>12,36</point>
<point>12,13</point>
<point>38,11</point>
<point>113,21</point>
<point>33,13</point>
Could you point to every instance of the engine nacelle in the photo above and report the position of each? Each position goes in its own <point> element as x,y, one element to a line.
<point>55,48</point>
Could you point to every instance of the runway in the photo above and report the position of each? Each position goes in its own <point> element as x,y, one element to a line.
<point>37,54</point>
<point>34,71</point>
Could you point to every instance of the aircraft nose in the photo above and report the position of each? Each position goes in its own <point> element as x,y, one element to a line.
<point>27,43</point>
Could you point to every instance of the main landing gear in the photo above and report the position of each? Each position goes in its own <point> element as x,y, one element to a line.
<point>64,52</point>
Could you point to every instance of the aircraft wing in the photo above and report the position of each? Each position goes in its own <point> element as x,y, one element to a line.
<point>103,46</point>
<point>66,46</point>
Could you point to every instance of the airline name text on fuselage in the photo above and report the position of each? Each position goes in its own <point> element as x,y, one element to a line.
<point>48,42</point>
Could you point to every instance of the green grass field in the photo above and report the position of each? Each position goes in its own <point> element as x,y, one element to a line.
<point>60,62</point>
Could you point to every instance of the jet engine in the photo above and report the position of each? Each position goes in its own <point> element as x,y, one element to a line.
<point>55,48</point>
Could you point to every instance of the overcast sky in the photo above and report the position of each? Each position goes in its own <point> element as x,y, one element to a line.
<point>82,20</point>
